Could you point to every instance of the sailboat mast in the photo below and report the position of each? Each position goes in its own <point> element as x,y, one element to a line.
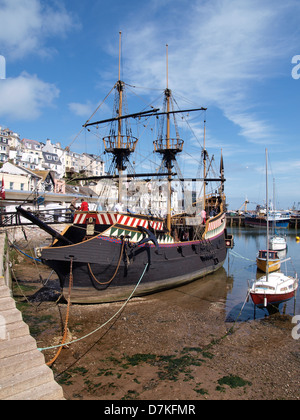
<point>274,208</point>
<point>267,210</point>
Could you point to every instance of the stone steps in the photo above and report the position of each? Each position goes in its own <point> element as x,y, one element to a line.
<point>24,374</point>
<point>48,391</point>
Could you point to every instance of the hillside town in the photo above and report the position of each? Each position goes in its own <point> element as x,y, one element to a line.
<point>30,169</point>
<point>38,156</point>
<point>42,174</point>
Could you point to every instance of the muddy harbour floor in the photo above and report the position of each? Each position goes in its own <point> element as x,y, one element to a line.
<point>173,345</point>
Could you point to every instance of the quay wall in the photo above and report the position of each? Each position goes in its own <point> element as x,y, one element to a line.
<point>24,374</point>
<point>4,260</point>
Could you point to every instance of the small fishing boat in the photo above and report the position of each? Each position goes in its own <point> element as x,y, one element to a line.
<point>273,288</point>
<point>268,261</point>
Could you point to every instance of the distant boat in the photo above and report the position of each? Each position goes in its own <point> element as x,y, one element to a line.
<point>268,261</point>
<point>278,219</point>
<point>277,243</point>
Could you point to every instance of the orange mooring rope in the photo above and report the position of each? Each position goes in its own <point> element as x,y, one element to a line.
<point>115,273</point>
<point>67,316</point>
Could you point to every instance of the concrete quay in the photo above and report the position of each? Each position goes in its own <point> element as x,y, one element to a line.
<point>24,374</point>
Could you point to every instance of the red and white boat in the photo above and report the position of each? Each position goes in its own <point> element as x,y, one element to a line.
<point>273,288</point>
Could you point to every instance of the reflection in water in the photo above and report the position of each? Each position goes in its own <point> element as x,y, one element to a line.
<point>196,295</point>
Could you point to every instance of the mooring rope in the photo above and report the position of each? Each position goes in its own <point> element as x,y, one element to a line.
<point>235,254</point>
<point>67,316</point>
<point>22,252</point>
<point>105,323</point>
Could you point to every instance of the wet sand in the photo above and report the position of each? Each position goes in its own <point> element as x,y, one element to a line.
<point>174,345</point>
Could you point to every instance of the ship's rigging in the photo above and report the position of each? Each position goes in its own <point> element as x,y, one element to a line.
<point>110,246</point>
<point>120,143</point>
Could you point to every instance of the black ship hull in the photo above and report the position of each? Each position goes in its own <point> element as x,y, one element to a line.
<point>106,268</point>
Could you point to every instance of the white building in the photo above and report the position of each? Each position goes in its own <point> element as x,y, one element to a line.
<point>19,179</point>
<point>28,154</point>
<point>35,155</point>
<point>8,141</point>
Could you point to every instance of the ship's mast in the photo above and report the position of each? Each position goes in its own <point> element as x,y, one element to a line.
<point>204,168</point>
<point>119,144</point>
<point>168,147</point>
<point>168,94</point>
<point>120,90</point>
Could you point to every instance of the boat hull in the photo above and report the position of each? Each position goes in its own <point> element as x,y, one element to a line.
<point>273,289</point>
<point>104,269</point>
<point>262,222</point>
<point>273,265</point>
<point>277,244</point>
<point>263,300</point>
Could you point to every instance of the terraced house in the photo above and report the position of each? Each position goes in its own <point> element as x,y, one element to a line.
<point>35,155</point>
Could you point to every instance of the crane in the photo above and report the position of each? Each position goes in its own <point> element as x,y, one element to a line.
<point>244,204</point>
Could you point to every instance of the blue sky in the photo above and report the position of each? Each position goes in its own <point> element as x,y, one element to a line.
<point>232,56</point>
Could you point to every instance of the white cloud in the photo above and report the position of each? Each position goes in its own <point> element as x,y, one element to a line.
<point>25,27</point>
<point>89,110</point>
<point>219,52</point>
<point>24,97</point>
<point>26,24</point>
<point>252,128</point>
<point>82,110</point>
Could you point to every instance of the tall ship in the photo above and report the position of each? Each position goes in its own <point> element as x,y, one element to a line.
<point>104,255</point>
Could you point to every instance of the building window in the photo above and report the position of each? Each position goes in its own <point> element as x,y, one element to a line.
<point>22,187</point>
<point>11,185</point>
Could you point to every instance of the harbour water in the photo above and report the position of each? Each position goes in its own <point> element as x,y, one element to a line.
<point>241,267</point>
<point>225,291</point>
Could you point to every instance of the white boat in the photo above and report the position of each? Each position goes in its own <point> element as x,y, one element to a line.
<point>277,243</point>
